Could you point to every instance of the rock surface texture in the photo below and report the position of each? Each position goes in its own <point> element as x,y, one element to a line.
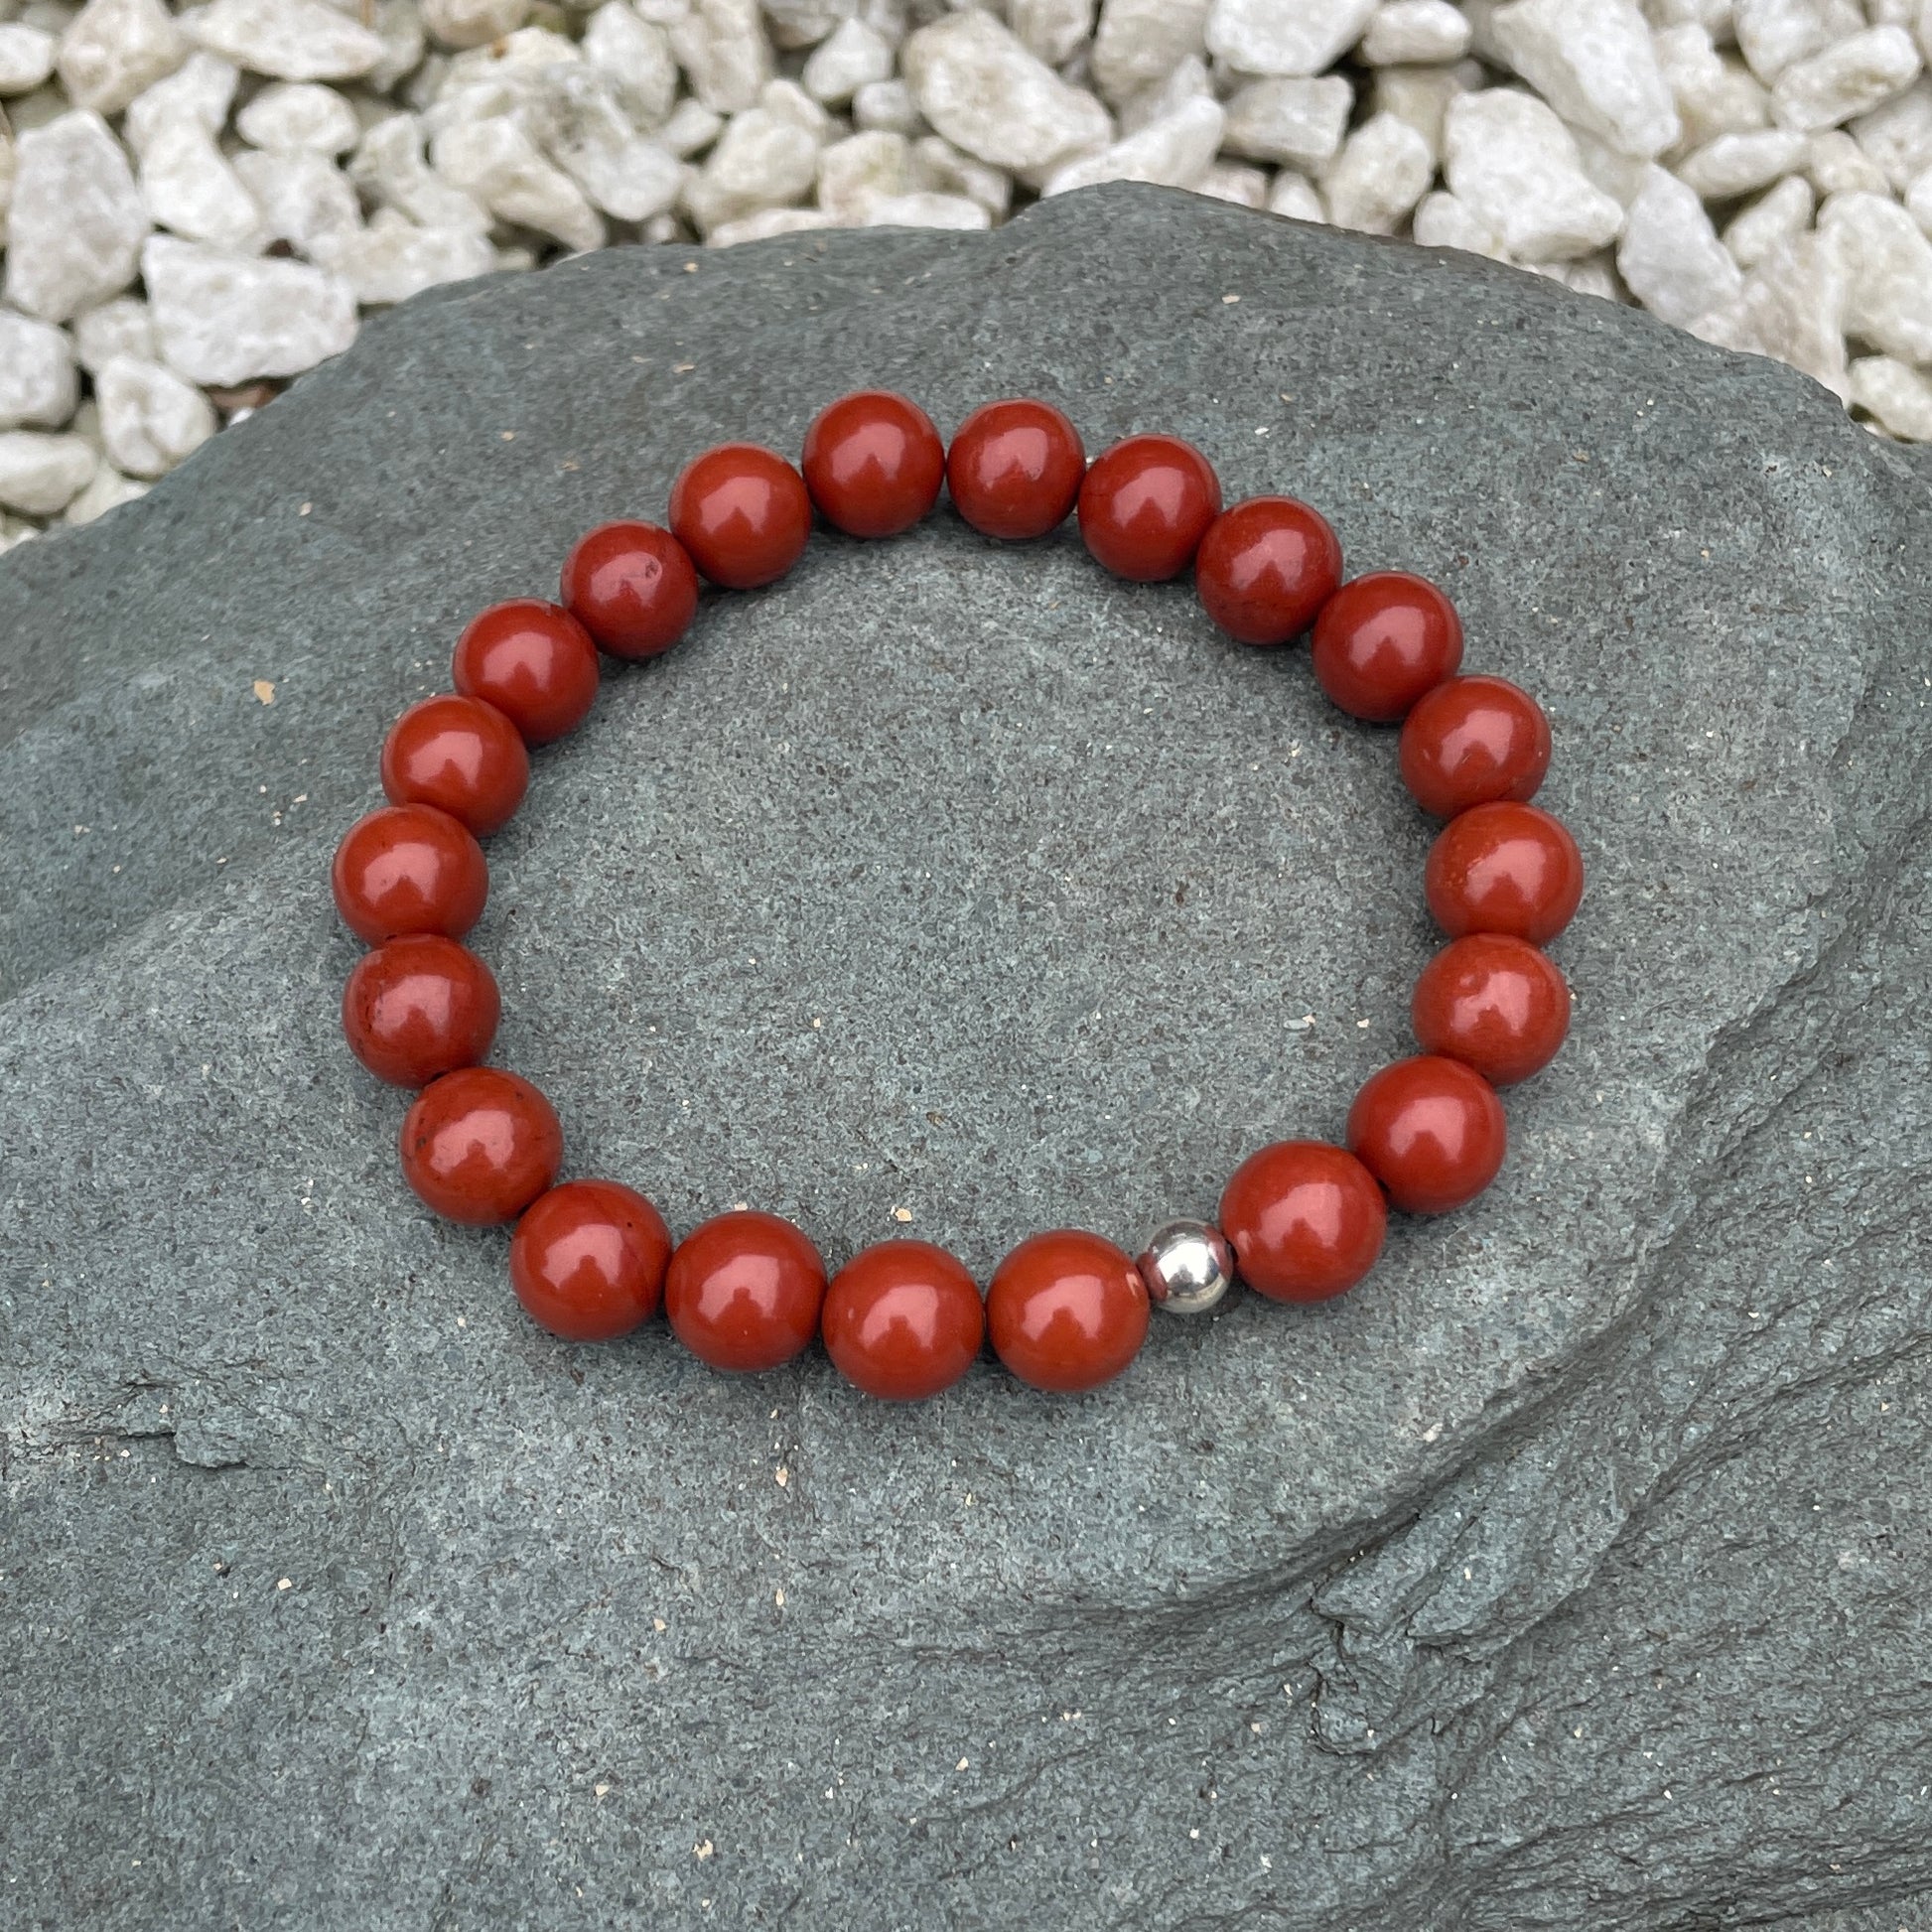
<point>1568,1574</point>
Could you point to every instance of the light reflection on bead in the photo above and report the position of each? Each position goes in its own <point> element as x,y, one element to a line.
<point>1188,1267</point>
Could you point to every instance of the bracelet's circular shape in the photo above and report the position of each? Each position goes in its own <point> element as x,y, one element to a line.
<point>1300,1220</point>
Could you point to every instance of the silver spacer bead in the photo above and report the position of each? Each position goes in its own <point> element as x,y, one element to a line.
<point>1188,1267</point>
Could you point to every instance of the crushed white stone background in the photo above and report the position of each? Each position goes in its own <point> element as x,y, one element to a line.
<point>199,203</point>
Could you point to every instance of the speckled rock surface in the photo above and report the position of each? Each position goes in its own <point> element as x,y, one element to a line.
<point>1571,1574</point>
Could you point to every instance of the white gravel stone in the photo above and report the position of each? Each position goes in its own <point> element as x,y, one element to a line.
<point>1295,195</point>
<point>393,259</point>
<point>1714,96</point>
<point>925,210</point>
<point>1900,399</point>
<point>1444,221</point>
<point>1190,80</point>
<point>1139,43</point>
<point>1593,61</point>
<point>1284,36</point>
<point>473,23</point>
<point>1230,181</point>
<point>722,47</point>
<point>980,89</point>
<point>767,223</point>
<point>636,54</point>
<point>853,54</point>
<point>690,129</point>
<point>861,169</point>
<point>40,474</point>
<point>150,419</point>
<point>118,327</point>
<point>1051,29</point>
<point>887,105</point>
<point>299,117</point>
<point>1740,163</point>
<point>1516,165</point>
<point>1793,309</point>
<point>192,190</point>
<point>1850,78</point>
<point>1384,169</point>
<point>199,92</point>
<point>1669,256</point>
<point>26,58</point>
<point>76,222</point>
<point>1298,121</point>
<point>1421,96</point>
<point>1420,30</point>
<point>38,385</point>
<point>389,167</point>
<point>1918,202</point>
<point>1887,263</point>
<point>1835,164</point>
<point>580,125</point>
<point>804,23</point>
<point>223,319</point>
<point>763,160</point>
<point>116,48</point>
<point>790,102</point>
<point>497,164</point>
<point>1171,153</point>
<point>1773,34</point>
<point>1770,222</point>
<point>939,168</point>
<point>1618,175</point>
<point>287,39</point>
<point>1898,137</point>
<point>108,491</point>
<point>400,26</point>
<point>303,198</point>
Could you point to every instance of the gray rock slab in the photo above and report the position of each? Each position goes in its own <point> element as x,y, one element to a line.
<point>1571,1572</point>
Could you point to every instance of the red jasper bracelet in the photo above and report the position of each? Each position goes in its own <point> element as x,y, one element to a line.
<point>1299,1222</point>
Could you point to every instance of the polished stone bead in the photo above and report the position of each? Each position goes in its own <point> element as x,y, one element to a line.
<point>1494,1003</point>
<point>460,755</point>
<point>873,462</point>
<point>480,1145</point>
<point>1146,505</point>
<point>1382,641</point>
<point>1013,470</point>
<point>1265,567</point>
<point>588,1260</point>
<point>743,1291</point>
<point>1306,1220</point>
<point>742,513</point>
<point>1430,1130</point>
<point>1471,741</point>
<point>1066,1311</point>
<point>408,868</point>
<point>633,587</point>
<point>533,661</point>
<point>1504,867</point>
<point>902,1320</point>
<point>418,1008</point>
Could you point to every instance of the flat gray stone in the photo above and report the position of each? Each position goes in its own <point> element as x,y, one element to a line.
<point>1571,1573</point>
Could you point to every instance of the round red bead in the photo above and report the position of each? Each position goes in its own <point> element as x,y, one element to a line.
<point>1146,505</point>
<point>1430,1130</point>
<point>1496,1003</point>
<point>903,1320</point>
<point>1014,468</point>
<point>1382,641</point>
<point>874,462</point>
<point>743,1291</point>
<point>631,587</point>
<point>481,1145</point>
<point>743,515</point>
<point>533,661</point>
<point>408,868</point>
<point>588,1260</point>
<point>419,1008</point>
<point>460,755</point>
<point>1265,567</point>
<point>1066,1311</point>
<point>1306,1220</point>
<point>1471,741</point>
<point>1503,867</point>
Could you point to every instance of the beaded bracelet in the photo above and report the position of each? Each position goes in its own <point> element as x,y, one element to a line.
<point>1301,1220</point>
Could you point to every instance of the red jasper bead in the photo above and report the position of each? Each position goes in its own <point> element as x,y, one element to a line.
<point>743,1291</point>
<point>1471,741</point>
<point>480,1145</point>
<point>588,1260</point>
<point>874,462</point>
<point>1306,1220</point>
<point>1265,568</point>
<point>419,1008</point>
<point>1014,468</point>
<point>1384,639</point>
<point>460,755</point>
<point>1066,1311</point>
<point>903,1320</point>
<point>631,587</point>
<point>1496,1003</point>
<point>533,661</point>
<point>1430,1130</point>
<point>408,868</point>
<point>1503,867</point>
<point>743,515</point>
<point>1146,505</point>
